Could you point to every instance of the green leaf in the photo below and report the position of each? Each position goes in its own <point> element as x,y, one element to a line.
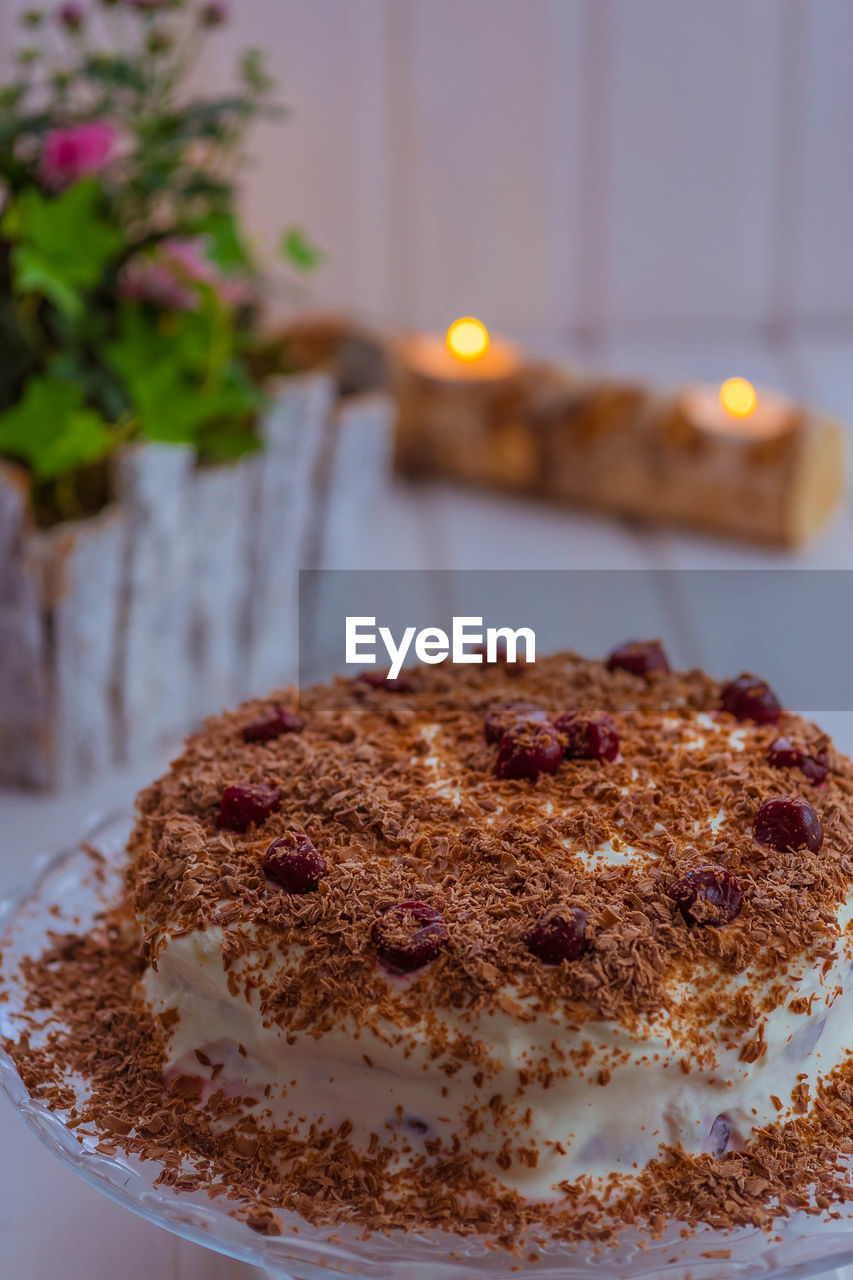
<point>11,224</point>
<point>164,397</point>
<point>298,250</point>
<point>226,245</point>
<point>193,183</point>
<point>184,383</point>
<point>99,383</point>
<point>170,372</point>
<point>52,430</point>
<point>227,440</point>
<point>254,73</point>
<point>11,95</point>
<point>18,359</point>
<point>15,125</point>
<point>147,338</point>
<point>34,274</point>
<point>115,71</point>
<point>63,243</point>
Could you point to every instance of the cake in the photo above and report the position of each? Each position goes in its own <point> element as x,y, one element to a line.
<point>531,935</point>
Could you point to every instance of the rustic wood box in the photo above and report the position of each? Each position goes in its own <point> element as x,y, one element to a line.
<point>120,632</point>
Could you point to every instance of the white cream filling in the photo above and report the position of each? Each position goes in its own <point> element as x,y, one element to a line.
<point>390,1084</point>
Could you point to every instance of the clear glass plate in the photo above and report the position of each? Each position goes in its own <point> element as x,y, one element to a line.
<point>73,886</point>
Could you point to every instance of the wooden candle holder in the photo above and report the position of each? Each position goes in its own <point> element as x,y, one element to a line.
<point>621,448</point>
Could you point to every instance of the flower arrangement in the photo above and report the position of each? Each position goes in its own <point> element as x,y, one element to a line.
<point>129,297</point>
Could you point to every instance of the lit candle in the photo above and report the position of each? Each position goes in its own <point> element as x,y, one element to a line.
<point>737,409</point>
<point>458,401</point>
<point>467,353</point>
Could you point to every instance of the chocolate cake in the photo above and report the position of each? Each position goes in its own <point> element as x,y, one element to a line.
<point>493,947</point>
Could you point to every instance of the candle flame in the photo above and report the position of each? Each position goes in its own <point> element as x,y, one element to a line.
<point>467,339</point>
<point>738,397</point>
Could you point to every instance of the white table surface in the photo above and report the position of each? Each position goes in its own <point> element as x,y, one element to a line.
<point>52,1225</point>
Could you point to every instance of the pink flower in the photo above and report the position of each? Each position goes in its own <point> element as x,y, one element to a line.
<point>79,149</point>
<point>159,279</point>
<point>188,258</point>
<point>71,16</point>
<point>169,278</point>
<point>214,13</point>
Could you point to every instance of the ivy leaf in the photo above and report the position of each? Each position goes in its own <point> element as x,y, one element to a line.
<point>63,243</point>
<point>52,430</point>
<point>99,383</point>
<point>35,275</point>
<point>298,250</point>
<point>226,247</point>
<point>18,359</point>
<point>183,379</point>
<point>226,441</point>
<point>254,73</point>
<point>115,71</point>
<point>11,224</point>
<point>166,401</point>
<point>238,398</point>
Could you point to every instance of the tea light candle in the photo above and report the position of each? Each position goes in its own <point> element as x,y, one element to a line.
<point>466,354</point>
<point>457,406</point>
<point>737,409</point>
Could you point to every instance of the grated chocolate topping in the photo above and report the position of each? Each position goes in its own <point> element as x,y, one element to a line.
<point>397,792</point>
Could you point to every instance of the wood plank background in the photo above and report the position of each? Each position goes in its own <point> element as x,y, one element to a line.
<point>565,168</point>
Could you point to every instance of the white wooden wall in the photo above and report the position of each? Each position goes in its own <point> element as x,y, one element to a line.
<point>566,168</point>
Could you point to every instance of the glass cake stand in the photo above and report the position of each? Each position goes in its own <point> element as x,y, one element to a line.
<point>73,886</point>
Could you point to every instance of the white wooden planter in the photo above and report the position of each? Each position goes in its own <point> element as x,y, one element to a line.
<point>120,632</point>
